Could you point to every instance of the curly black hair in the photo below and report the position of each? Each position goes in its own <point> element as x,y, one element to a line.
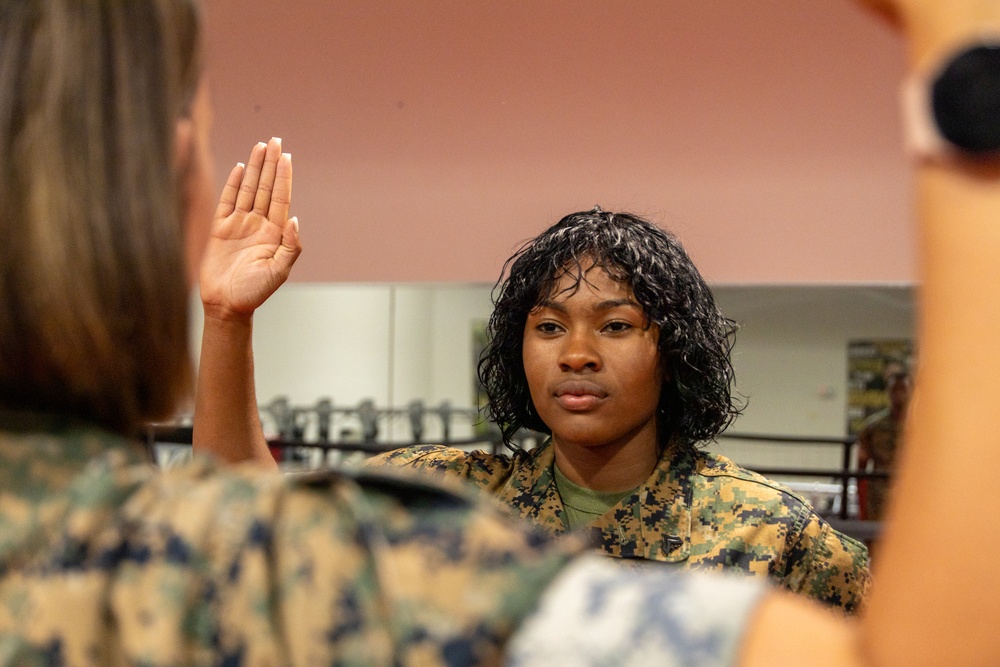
<point>696,401</point>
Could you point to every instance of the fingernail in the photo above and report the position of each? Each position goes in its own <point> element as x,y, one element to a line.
<point>261,144</point>
<point>287,155</point>
<point>295,223</point>
<point>278,139</point>
<point>241,165</point>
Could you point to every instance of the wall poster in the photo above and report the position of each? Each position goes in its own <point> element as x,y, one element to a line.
<point>869,363</point>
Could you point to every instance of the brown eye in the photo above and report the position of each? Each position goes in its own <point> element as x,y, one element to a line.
<point>617,326</point>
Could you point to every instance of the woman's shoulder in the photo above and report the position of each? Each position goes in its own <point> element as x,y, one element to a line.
<point>325,535</point>
<point>480,467</point>
<point>714,471</point>
<point>225,513</point>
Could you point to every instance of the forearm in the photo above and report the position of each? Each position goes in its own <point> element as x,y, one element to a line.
<point>226,421</point>
<point>942,521</point>
<point>252,247</point>
<point>933,600</point>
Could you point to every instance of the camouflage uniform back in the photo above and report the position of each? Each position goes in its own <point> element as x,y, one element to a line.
<point>104,560</point>
<point>696,510</point>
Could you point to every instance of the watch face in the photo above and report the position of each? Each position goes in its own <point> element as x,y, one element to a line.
<point>965,99</point>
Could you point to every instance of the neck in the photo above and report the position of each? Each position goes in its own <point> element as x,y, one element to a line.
<point>620,466</point>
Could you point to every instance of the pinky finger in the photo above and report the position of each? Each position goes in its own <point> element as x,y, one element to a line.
<point>227,202</point>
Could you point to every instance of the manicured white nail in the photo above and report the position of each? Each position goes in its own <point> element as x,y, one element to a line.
<point>287,156</point>
<point>295,223</point>
<point>241,165</point>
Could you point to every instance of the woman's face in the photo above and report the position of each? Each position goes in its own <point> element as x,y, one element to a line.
<point>592,363</point>
<point>194,160</point>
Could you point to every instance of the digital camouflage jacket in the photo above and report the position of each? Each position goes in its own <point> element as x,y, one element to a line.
<point>105,560</point>
<point>696,509</point>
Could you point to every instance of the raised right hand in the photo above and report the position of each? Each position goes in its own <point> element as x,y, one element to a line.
<point>253,243</point>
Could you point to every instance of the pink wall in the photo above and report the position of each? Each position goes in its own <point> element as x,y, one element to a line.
<point>431,137</point>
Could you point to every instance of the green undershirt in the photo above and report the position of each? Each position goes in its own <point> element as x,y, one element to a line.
<point>584,506</point>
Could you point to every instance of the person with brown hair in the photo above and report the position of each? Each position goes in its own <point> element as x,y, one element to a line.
<point>117,356</point>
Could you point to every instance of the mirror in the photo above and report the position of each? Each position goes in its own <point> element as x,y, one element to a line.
<point>394,344</point>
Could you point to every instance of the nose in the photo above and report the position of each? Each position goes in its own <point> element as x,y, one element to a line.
<point>579,352</point>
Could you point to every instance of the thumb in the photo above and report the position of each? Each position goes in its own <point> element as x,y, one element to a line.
<point>291,245</point>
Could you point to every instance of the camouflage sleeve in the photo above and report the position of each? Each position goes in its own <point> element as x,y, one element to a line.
<point>829,566</point>
<point>599,614</point>
<point>448,460</point>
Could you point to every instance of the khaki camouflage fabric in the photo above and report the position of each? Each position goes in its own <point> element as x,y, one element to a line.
<point>696,509</point>
<point>879,434</point>
<point>106,561</point>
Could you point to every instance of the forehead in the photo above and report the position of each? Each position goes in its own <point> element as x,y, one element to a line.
<point>586,279</point>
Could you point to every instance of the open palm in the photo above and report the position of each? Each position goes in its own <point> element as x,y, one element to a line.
<point>253,243</point>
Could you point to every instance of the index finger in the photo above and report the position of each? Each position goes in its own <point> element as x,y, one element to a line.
<point>227,202</point>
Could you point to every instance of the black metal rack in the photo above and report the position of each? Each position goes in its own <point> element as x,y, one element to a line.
<point>289,422</point>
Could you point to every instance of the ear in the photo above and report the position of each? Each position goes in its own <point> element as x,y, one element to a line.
<point>183,146</point>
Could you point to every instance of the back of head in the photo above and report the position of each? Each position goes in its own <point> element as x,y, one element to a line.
<point>696,401</point>
<point>93,299</point>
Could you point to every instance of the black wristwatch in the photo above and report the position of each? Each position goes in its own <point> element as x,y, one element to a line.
<point>954,111</point>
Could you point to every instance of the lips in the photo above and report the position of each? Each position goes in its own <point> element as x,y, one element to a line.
<point>579,395</point>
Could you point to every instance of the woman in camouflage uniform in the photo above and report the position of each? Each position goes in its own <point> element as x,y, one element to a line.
<point>605,336</point>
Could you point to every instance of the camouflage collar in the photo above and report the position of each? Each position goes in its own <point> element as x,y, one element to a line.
<point>531,488</point>
<point>654,523</point>
<point>48,462</point>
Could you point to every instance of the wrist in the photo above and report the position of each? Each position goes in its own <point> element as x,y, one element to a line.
<point>951,109</point>
<point>221,322</point>
<point>224,316</point>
